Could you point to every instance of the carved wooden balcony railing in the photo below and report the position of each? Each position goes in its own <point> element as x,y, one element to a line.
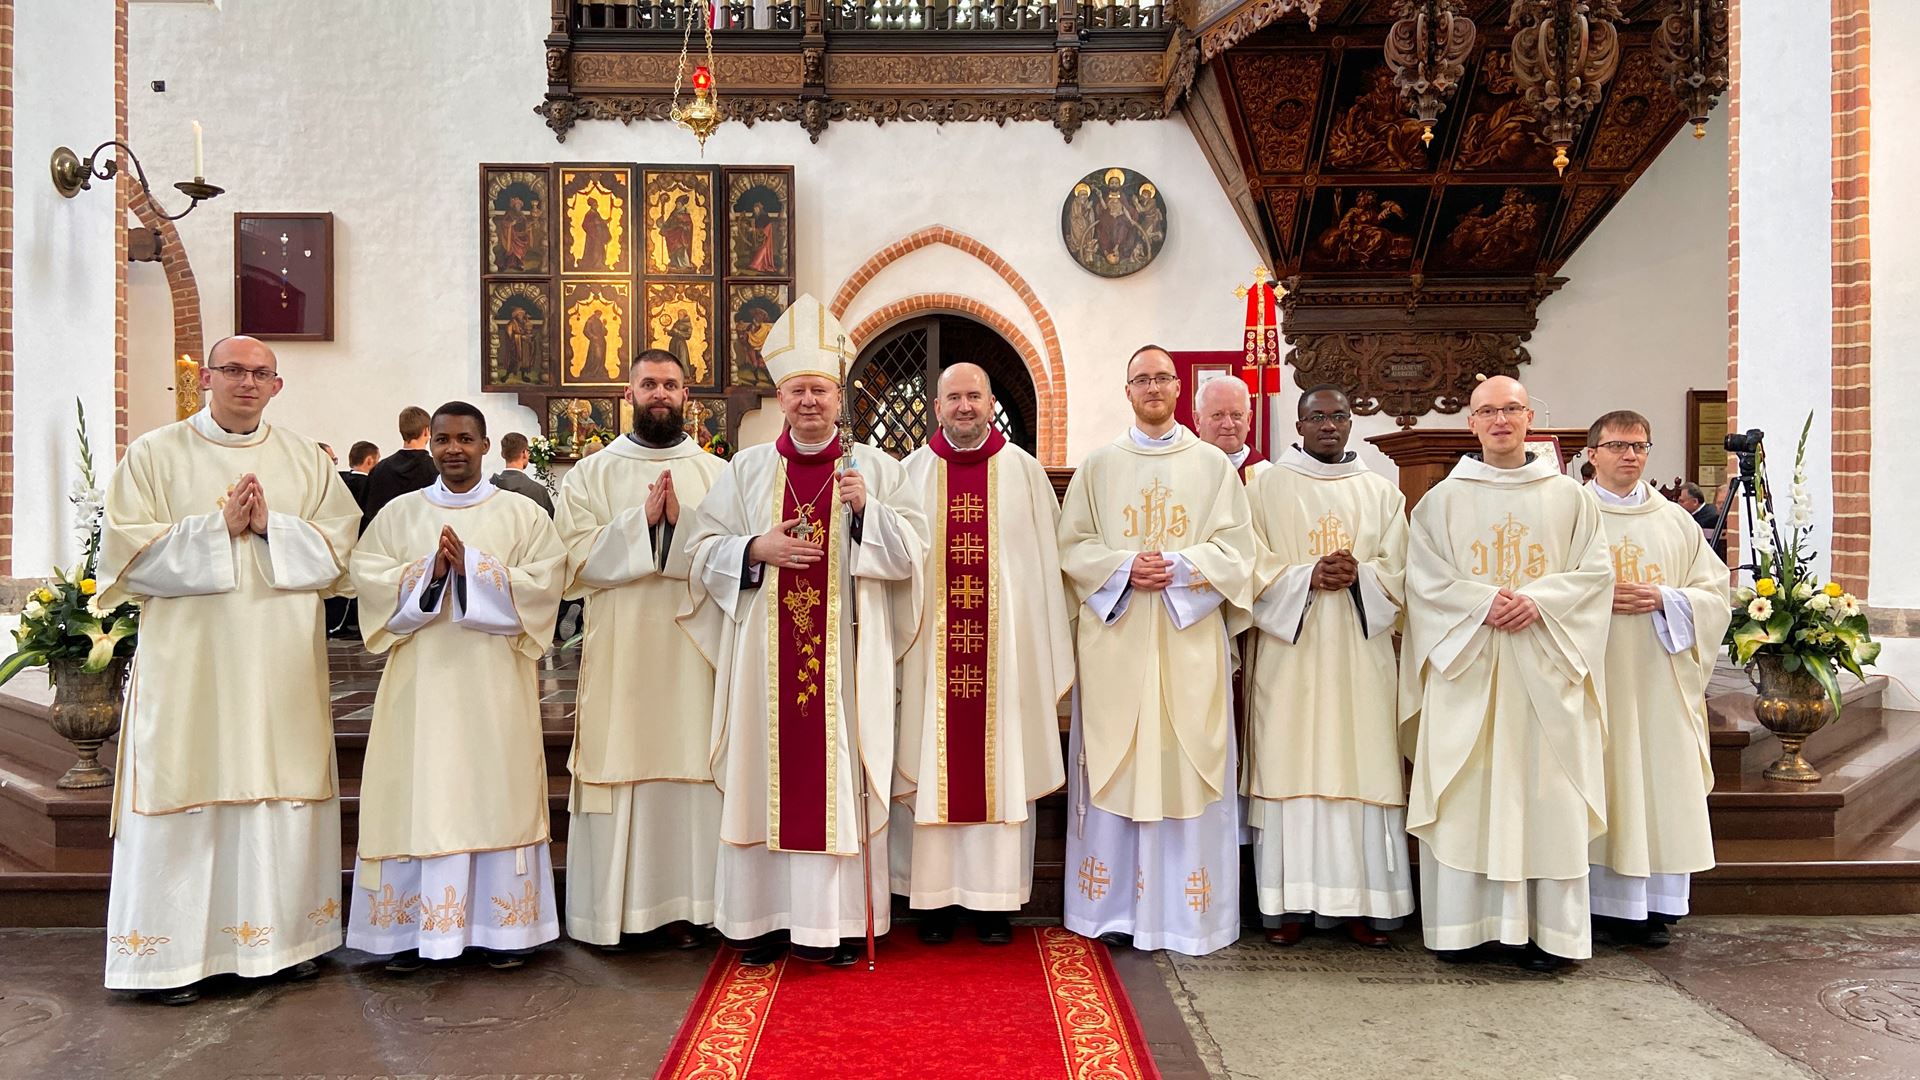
<point>816,61</point>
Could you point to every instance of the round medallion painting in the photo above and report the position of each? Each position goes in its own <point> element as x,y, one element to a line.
<point>1114,222</point>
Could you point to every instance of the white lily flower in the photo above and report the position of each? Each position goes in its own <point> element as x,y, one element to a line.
<point>34,610</point>
<point>1802,591</point>
<point>1819,601</point>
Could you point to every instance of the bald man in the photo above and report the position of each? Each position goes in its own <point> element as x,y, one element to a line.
<point>981,686</point>
<point>1509,595</point>
<point>1223,416</point>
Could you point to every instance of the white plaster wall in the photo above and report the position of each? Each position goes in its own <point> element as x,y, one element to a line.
<point>63,302</point>
<point>1896,311</point>
<point>1785,325</point>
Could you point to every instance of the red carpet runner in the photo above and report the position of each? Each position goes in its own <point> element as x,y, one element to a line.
<point>1047,1007</point>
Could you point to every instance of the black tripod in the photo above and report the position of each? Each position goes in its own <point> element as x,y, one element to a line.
<point>1746,448</point>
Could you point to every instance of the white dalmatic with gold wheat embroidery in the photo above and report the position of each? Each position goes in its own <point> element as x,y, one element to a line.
<point>1658,769</point>
<point>453,799</point>
<point>1506,727</point>
<point>1322,771</point>
<point>226,853</point>
<point>643,814</point>
<point>1153,833</point>
<point>981,686</point>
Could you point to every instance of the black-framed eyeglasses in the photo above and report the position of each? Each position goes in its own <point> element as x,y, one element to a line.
<point>1141,382</point>
<point>1321,418</point>
<point>1621,446</point>
<point>247,374</point>
<point>1511,412</point>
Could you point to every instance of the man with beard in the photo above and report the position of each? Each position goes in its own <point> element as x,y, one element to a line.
<point>1154,537</point>
<point>981,687</point>
<point>1325,796</point>
<point>644,815</point>
<point>458,585</point>
<point>1508,594</point>
<point>806,592</point>
<point>1670,608</point>
<point>229,532</point>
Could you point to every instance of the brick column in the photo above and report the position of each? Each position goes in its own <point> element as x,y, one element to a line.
<point>1852,299</point>
<point>1733,250</point>
<point>6,287</point>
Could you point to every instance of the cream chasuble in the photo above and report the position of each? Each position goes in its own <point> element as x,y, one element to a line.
<point>640,853</point>
<point>226,826</point>
<point>982,684</point>
<point>1322,765</point>
<point>787,826</point>
<point>1505,729</point>
<point>1156,745</point>
<point>1658,769</point>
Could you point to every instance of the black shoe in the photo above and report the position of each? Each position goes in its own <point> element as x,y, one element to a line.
<point>506,961</point>
<point>1116,940</point>
<point>1658,936</point>
<point>995,928</point>
<point>183,995</point>
<point>936,927</point>
<point>848,953</point>
<point>405,963</point>
<point>1457,956</point>
<point>305,969</point>
<point>616,948</point>
<point>1539,961</point>
<point>763,955</point>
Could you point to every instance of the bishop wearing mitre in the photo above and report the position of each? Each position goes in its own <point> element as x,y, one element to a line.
<point>805,592</point>
<point>643,814</point>
<point>459,586</point>
<point>981,686</point>
<point>1502,684</point>
<point>1670,609</point>
<point>1154,537</point>
<point>230,532</point>
<point>1323,781</point>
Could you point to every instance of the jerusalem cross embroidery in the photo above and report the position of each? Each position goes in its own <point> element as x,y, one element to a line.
<point>966,509</point>
<point>1628,567</point>
<point>1505,562</point>
<point>1094,878</point>
<point>1199,891</point>
<point>1157,519</point>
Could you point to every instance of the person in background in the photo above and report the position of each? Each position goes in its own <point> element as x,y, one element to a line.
<point>514,453</point>
<point>410,469</point>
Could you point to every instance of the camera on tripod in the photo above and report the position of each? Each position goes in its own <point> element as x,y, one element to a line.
<point>1745,442</point>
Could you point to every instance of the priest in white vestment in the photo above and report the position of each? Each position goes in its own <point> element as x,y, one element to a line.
<point>1671,606</point>
<point>231,533</point>
<point>643,815</point>
<point>1322,770</point>
<point>459,585</point>
<point>981,686</point>
<point>1154,538</point>
<point>806,586</point>
<point>1508,595</point>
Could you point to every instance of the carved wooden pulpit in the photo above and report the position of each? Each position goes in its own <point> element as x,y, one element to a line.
<point>1426,455</point>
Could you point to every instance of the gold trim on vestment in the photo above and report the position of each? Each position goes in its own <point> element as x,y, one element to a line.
<point>835,562</point>
<point>940,516</point>
<point>992,689</point>
<point>770,592</point>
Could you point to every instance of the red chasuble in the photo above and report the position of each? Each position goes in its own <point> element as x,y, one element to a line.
<point>1254,457</point>
<point>805,627</point>
<point>965,647</point>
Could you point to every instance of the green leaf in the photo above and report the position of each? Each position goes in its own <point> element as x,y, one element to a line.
<point>1790,662</point>
<point>20,661</point>
<point>1824,673</point>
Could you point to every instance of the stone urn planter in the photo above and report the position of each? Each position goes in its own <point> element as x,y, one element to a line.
<point>1793,705</point>
<point>86,713</point>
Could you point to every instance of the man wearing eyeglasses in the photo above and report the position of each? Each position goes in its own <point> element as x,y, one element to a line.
<point>1670,608</point>
<point>229,532</point>
<point>1154,539</point>
<point>1323,780</point>
<point>1509,591</point>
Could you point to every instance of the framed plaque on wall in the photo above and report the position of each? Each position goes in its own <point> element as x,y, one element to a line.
<point>283,276</point>
<point>1706,438</point>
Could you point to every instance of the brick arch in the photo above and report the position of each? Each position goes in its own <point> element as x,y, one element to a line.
<point>1045,364</point>
<point>189,338</point>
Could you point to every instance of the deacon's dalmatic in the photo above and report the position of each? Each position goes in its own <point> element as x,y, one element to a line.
<point>778,569</point>
<point>1670,609</point>
<point>1322,771</point>
<point>1508,583</point>
<point>230,532</point>
<point>1154,537</point>
<point>981,686</point>
<point>459,586</point>
<point>644,826</point>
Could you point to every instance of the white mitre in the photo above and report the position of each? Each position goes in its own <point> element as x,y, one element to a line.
<point>807,340</point>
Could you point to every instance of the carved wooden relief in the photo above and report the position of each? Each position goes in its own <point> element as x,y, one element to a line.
<point>1500,133</point>
<point>1491,230</point>
<point>1279,92</point>
<point>1638,94</point>
<point>1364,229</point>
<point>1406,373</point>
<point>1283,209</point>
<point>1371,131</point>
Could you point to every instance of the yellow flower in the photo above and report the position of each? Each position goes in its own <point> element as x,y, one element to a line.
<point>1765,587</point>
<point>1833,589</point>
<point>87,586</point>
<point>45,594</point>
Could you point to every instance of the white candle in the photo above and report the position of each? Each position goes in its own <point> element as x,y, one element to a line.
<point>199,164</point>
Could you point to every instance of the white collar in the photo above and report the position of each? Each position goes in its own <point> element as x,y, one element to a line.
<point>204,423</point>
<point>1633,498</point>
<point>438,495</point>
<point>1306,464</point>
<point>1473,468</point>
<point>968,449</point>
<point>1141,438</point>
<point>1239,457</point>
<point>630,447</point>
<point>809,449</point>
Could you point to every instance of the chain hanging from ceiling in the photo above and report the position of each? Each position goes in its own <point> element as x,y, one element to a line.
<point>1427,49</point>
<point>1692,43</point>
<point>1564,51</point>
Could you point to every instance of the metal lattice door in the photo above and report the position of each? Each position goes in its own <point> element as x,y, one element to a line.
<point>892,409</point>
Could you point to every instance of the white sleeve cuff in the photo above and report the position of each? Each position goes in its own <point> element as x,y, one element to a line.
<point>1109,602</point>
<point>1377,609</point>
<point>298,558</point>
<point>883,553</point>
<point>1673,623</point>
<point>1191,597</point>
<point>489,600</point>
<point>415,584</point>
<point>623,552</point>
<point>721,577</point>
<point>1281,610</point>
<point>194,558</point>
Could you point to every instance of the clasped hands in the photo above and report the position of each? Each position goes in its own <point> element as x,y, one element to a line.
<point>782,549</point>
<point>662,502</point>
<point>451,557</point>
<point>246,508</point>
<point>1335,571</point>
<point>1512,612</point>
<point>1633,598</point>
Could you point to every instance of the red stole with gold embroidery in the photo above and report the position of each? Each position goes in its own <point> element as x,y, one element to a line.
<point>803,724</point>
<point>1254,457</point>
<point>966,645</point>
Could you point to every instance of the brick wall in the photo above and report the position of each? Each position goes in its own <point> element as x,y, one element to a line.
<point>1852,298</point>
<point>1733,252</point>
<point>6,287</point>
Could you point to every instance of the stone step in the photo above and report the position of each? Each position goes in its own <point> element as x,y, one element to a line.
<point>1862,787</point>
<point>1873,873</point>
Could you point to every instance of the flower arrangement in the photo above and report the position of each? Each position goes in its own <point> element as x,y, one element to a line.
<point>1787,612</point>
<point>63,620</point>
<point>540,453</point>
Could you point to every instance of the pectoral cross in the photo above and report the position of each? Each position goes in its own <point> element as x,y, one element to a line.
<point>807,528</point>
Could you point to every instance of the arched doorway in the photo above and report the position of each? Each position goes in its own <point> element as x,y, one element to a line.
<point>894,408</point>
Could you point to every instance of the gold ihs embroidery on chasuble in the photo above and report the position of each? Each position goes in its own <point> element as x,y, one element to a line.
<point>1328,535</point>
<point>1630,565</point>
<point>1157,519</point>
<point>1505,558</point>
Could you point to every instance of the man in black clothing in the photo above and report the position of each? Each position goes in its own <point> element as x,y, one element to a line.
<point>408,469</point>
<point>514,478</point>
<point>1694,501</point>
<point>360,461</point>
